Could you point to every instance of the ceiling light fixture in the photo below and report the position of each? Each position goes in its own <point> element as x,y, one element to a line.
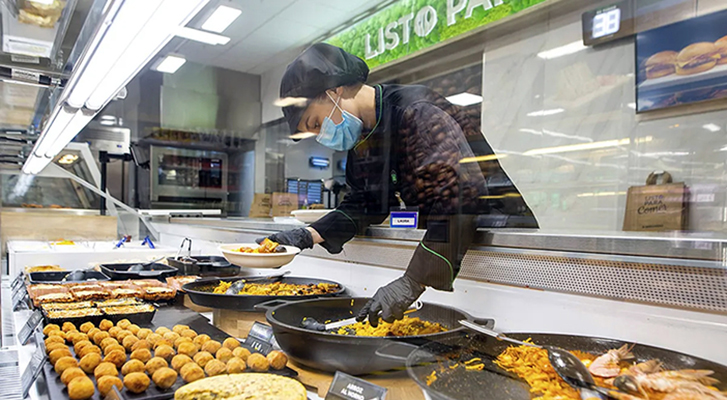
<point>129,34</point>
<point>291,101</point>
<point>170,64</point>
<point>712,127</point>
<point>464,99</point>
<point>545,113</point>
<point>221,18</point>
<point>202,36</point>
<point>561,51</point>
<point>67,159</point>
<point>302,135</point>
<point>490,157</point>
<point>586,146</point>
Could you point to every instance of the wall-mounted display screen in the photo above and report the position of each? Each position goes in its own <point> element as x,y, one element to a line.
<point>682,63</point>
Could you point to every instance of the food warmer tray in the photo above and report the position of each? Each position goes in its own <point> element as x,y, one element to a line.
<point>57,277</point>
<point>166,316</point>
<point>494,383</point>
<point>136,318</point>
<point>120,272</point>
<point>204,266</point>
<point>245,302</point>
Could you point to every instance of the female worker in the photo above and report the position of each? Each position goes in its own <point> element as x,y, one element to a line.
<point>407,147</point>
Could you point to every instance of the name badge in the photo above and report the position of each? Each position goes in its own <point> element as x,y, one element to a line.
<point>404,219</point>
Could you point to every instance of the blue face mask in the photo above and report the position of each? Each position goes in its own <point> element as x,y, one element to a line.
<point>341,137</point>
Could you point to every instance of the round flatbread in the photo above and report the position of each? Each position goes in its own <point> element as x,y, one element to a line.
<point>243,387</point>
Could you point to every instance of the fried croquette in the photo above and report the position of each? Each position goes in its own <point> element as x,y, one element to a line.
<point>133,328</point>
<point>153,338</point>
<point>141,344</point>
<point>58,333</point>
<point>211,346</point>
<point>133,366</point>
<point>258,362</point>
<point>171,336</point>
<point>78,337</point>
<point>81,344</point>
<point>162,342</point>
<point>50,327</point>
<point>105,368</point>
<point>165,352</point>
<point>162,330</point>
<point>191,372</point>
<point>178,329</point>
<point>187,348</point>
<point>54,339</point>
<point>114,331</point>
<point>116,357</point>
<point>224,354</point>
<point>235,365</point>
<point>92,332</point>
<point>81,388</point>
<point>123,334</point>
<point>88,350</point>
<point>114,347</point>
<point>64,363</point>
<point>182,340</point>
<point>241,353</point>
<point>71,373</point>
<point>86,326</point>
<point>202,358</point>
<point>199,340</point>
<point>68,327</point>
<point>54,346</point>
<point>231,343</point>
<point>277,359</point>
<point>57,354</point>
<point>105,325</point>
<point>106,384</point>
<point>179,360</point>
<point>189,333</point>
<point>136,382</point>
<point>98,337</point>
<point>129,341</point>
<point>215,367</point>
<point>154,364</point>
<point>142,355</point>
<point>123,324</point>
<point>164,377</point>
<point>108,342</point>
<point>89,362</point>
<point>143,333</point>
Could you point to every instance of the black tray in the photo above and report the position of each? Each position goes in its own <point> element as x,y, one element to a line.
<point>76,321</point>
<point>137,318</point>
<point>245,302</point>
<point>205,266</point>
<point>165,316</point>
<point>120,272</point>
<point>57,277</point>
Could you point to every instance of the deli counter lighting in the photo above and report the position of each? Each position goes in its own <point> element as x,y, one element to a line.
<point>130,34</point>
<point>202,36</point>
<point>221,19</point>
<point>170,64</point>
<point>464,99</point>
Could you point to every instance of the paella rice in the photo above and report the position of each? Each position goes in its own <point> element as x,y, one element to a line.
<point>409,326</point>
<point>279,289</point>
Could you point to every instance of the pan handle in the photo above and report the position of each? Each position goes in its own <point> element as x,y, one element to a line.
<point>488,323</point>
<point>382,352</point>
<point>270,304</point>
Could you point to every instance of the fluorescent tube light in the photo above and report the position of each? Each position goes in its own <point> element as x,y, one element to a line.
<point>53,128</point>
<point>34,164</point>
<point>712,127</point>
<point>202,36</point>
<point>221,19</point>
<point>586,146</point>
<point>75,125</point>
<point>545,113</point>
<point>170,64</point>
<point>561,51</point>
<point>302,135</point>
<point>489,157</point>
<point>601,194</point>
<point>464,99</point>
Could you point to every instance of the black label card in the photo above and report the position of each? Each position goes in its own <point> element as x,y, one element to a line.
<point>29,327</point>
<point>256,345</point>
<point>347,387</point>
<point>33,370</point>
<point>261,331</point>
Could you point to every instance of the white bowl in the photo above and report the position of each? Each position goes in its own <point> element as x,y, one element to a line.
<point>253,260</point>
<point>309,216</point>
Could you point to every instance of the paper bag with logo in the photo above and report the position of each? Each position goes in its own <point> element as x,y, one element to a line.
<point>284,203</point>
<point>656,207</point>
<point>261,205</point>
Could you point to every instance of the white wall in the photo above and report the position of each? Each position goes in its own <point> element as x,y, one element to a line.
<point>297,164</point>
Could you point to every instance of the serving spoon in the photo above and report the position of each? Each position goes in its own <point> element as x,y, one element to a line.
<point>237,286</point>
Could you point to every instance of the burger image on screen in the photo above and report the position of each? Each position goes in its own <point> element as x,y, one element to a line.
<point>722,46</point>
<point>696,58</point>
<point>661,64</point>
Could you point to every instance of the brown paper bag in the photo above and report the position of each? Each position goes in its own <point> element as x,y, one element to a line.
<point>261,206</point>
<point>284,203</point>
<point>656,207</point>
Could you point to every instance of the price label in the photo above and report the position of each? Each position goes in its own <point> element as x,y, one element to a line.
<point>260,338</point>
<point>29,327</point>
<point>33,370</point>
<point>256,345</point>
<point>17,281</point>
<point>347,387</point>
<point>18,297</point>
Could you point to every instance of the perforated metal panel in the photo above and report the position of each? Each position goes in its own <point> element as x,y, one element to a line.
<point>10,388</point>
<point>701,288</point>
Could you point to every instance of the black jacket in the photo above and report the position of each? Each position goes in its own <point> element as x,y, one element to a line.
<point>428,150</point>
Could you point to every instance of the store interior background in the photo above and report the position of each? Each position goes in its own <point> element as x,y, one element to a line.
<point>226,94</point>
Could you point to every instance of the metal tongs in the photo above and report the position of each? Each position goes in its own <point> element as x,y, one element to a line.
<point>312,324</point>
<point>237,286</point>
<point>188,257</point>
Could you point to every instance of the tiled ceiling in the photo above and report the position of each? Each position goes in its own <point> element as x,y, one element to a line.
<point>269,31</point>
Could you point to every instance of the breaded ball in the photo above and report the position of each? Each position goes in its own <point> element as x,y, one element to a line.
<point>92,332</point>
<point>58,333</point>
<point>164,377</point>
<point>54,346</point>
<point>179,360</point>
<point>241,353</point>
<point>162,342</point>
<point>98,337</point>
<point>162,330</point>
<point>68,326</point>
<point>277,359</point>
<point>71,373</point>
<point>142,355</point>
<point>88,349</point>
<point>189,333</point>
<point>55,355</point>
<point>114,331</point>
<point>105,368</point>
<point>123,324</point>
<point>215,367</point>
<point>171,336</point>
<point>114,347</point>
<point>181,340</point>
<point>50,327</point>
<point>106,384</point>
<point>123,334</point>
<point>86,326</point>
<point>153,338</point>
<point>81,344</point>
<point>89,362</point>
<point>133,366</point>
<point>136,382</point>
<point>78,337</point>
<point>105,325</point>
<point>258,362</point>
<point>154,364</point>
<point>116,357</point>
<point>55,339</point>
<point>224,354</point>
<point>129,341</point>
<point>231,343</point>
<point>64,363</point>
<point>199,340</point>
<point>178,329</point>
<point>143,333</point>
<point>211,346</point>
<point>141,344</point>
<point>191,372</point>
<point>108,342</point>
<point>81,388</point>
<point>133,328</point>
<point>235,365</point>
<point>73,336</point>
<point>202,358</point>
<point>165,352</point>
<point>187,348</point>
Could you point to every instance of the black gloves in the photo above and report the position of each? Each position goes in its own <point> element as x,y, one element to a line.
<point>299,237</point>
<point>391,301</point>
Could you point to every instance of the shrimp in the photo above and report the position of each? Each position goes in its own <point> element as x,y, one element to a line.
<point>646,367</point>
<point>606,365</point>
<point>695,394</point>
<point>666,381</point>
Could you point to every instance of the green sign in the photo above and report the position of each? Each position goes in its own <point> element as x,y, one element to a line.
<point>408,26</point>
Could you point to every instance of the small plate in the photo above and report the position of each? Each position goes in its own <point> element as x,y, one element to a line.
<point>253,260</point>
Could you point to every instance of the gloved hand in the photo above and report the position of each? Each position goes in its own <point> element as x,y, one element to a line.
<point>299,237</point>
<point>391,301</point>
